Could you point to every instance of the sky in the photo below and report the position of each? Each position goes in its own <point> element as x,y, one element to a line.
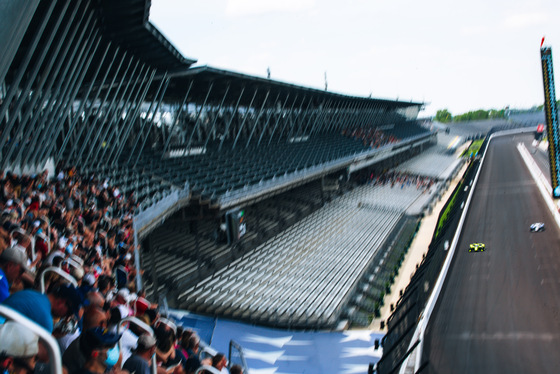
<point>455,55</point>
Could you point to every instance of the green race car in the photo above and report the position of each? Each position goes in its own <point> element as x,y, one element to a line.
<point>477,247</point>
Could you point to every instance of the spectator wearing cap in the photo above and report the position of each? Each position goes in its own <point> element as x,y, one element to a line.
<point>139,362</point>
<point>19,347</point>
<point>122,301</point>
<point>13,263</point>
<point>101,351</point>
<point>141,305</point>
<point>61,301</point>
<point>94,317</point>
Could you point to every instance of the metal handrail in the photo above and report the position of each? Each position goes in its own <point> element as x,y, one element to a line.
<point>239,348</point>
<point>144,326</point>
<point>73,263</point>
<point>60,272</point>
<point>55,357</point>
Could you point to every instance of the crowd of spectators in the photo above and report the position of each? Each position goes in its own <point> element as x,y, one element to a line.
<point>81,231</point>
<point>370,137</point>
<point>401,179</point>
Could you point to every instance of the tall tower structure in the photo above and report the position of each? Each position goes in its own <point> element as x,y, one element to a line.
<point>551,115</point>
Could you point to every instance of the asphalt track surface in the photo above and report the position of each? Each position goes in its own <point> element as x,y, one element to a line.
<point>499,310</point>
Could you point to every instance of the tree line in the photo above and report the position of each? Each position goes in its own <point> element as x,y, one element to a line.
<point>443,115</point>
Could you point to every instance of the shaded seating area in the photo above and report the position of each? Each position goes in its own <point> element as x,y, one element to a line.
<point>182,252</point>
<point>223,176</point>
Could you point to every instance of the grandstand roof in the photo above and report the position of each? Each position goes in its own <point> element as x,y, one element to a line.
<point>222,79</point>
<point>127,23</point>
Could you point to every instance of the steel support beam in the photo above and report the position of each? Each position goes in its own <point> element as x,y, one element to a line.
<point>126,114</point>
<point>75,78</point>
<point>32,106</point>
<point>257,119</point>
<point>115,117</point>
<point>93,126</point>
<point>195,127</point>
<point>212,129</point>
<point>321,117</point>
<point>226,132</point>
<point>160,91</point>
<point>244,119</point>
<point>281,116</point>
<point>82,104</point>
<point>14,86</point>
<point>109,117</point>
<point>177,118</point>
<point>133,118</point>
<point>270,116</point>
<point>63,82</point>
<point>23,97</point>
<point>297,117</point>
<point>152,121</point>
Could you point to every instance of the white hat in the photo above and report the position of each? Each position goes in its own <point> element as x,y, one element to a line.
<point>62,242</point>
<point>15,254</point>
<point>18,341</point>
<point>89,279</point>
<point>124,293</point>
<point>78,273</point>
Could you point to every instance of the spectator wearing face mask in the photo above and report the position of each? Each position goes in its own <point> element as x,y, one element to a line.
<point>139,362</point>
<point>74,357</point>
<point>101,350</point>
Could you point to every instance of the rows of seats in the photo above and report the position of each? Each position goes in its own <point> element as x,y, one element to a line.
<point>303,276</point>
<point>409,129</point>
<point>222,173</point>
<point>176,260</point>
<point>217,172</point>
<point>432,163</point>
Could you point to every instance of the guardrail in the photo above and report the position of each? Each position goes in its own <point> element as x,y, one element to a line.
<point>236,355</point>
<point>59,271</point>
<point>55,357</point>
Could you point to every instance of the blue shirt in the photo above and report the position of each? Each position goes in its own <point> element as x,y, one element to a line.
<point>4,286</point>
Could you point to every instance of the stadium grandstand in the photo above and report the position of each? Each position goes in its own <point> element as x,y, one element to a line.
<point>132,174</point>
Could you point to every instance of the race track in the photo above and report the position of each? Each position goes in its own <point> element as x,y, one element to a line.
<point>499,310</point>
